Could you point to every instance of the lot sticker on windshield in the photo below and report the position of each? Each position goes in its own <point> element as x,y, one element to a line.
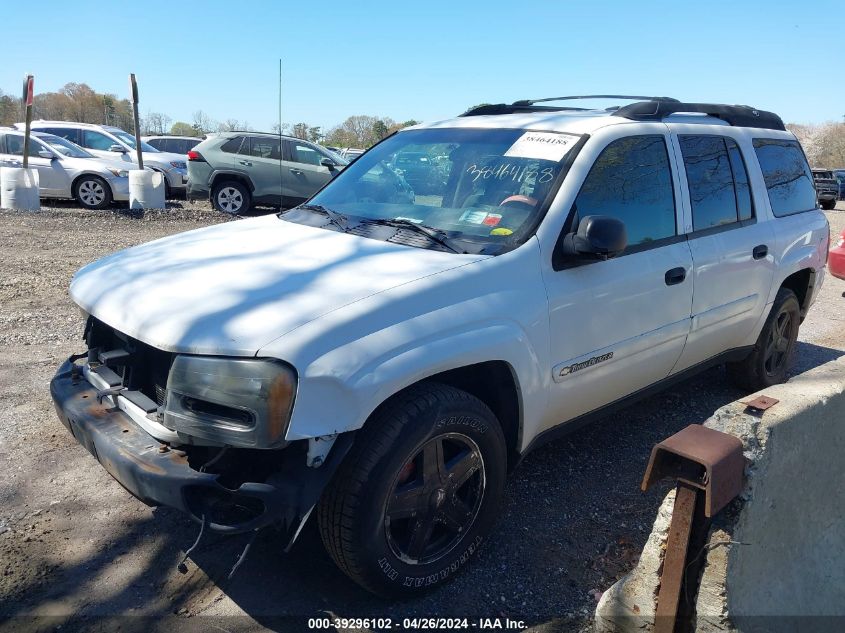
<point>492,219</point>
<point>474,217</point>
<point>542,145</point>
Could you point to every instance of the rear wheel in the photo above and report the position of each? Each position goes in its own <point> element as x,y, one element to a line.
<point>769,361</point>
<point>230,197</point>
<point>92,192</point>
<point>418,493</point>
<point>827,205</point>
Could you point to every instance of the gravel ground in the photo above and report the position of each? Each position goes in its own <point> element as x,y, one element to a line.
<point>76,547</point>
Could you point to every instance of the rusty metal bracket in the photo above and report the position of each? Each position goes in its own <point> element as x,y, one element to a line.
<point>708,466</point>
<point>760,403</point>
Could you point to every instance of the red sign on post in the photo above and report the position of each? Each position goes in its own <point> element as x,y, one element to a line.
<point>30,89</point>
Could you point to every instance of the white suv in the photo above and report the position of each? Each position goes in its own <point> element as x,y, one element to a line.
<point>113,143</point>
<point>386,357</point>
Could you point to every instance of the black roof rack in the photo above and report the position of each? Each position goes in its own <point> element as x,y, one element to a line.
<point>739,115</point>
<point>645,109</point>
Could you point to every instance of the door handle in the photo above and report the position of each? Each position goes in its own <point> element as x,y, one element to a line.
<point>298,172</point>
<point>675,276</point>
<point>760,252</point>
<point>245,162</point>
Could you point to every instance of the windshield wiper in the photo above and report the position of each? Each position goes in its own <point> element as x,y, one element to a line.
<point>435,235</point>
<point>338,219</point>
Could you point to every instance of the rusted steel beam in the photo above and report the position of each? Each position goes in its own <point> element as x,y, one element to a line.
<point>675,559</point>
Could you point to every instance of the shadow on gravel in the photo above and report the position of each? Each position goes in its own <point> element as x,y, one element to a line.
<point>574,521</point>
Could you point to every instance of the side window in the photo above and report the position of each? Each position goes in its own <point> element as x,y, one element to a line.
<point>65,132</point>
<point>631,180</point>
<point>301,153</point>
<point>711,184</point>
<point>14,145</point>
<point>233,145</point>
<point>95,140</point>
<point>264,147</point>
<point>789,181</point>
<point>156,142</point>
<point>741,186</point>
<point>189,145</point>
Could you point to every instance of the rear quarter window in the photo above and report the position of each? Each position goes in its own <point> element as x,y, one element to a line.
<point>789,181</point>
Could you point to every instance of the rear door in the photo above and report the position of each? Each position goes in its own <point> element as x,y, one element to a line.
<point>618,326</point>
<point>732,252</point>
<point>263,165</point>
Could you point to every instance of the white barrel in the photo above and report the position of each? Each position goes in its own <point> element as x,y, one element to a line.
<point>146,189</point>
<point>19,188</point>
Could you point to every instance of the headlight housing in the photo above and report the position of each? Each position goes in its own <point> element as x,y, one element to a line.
<point>120,173</point>
<point>243,402</point>
<point>178,164</point>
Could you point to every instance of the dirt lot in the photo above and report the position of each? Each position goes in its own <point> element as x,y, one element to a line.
<point>76,547</point>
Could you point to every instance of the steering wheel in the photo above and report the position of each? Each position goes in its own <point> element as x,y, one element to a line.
<point>520,199</point>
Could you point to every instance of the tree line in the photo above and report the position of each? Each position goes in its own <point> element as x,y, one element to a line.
<point>81,103</point>
<point>824,143</point>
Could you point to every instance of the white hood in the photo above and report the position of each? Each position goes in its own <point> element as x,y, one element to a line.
<point>233,287</point>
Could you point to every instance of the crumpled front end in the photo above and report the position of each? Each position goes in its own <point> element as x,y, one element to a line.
<point>230,490</point>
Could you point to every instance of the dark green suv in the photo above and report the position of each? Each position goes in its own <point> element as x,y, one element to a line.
<point>236,170</point>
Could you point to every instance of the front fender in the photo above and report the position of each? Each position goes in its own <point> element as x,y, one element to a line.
<point>331,403</point>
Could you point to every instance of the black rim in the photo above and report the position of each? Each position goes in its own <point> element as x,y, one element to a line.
<point>435,499</point>
<point>777,347</point>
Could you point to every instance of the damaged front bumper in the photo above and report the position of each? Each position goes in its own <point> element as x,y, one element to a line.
<point>159,475</point>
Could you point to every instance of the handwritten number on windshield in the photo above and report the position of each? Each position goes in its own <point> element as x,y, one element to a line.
<point>510,171</point>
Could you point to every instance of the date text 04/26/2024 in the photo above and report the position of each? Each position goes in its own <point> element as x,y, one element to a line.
<point>416,624</point>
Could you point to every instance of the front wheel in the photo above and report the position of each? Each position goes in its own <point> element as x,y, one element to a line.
<point>418,493</point>
<point>92,192</point>
<point>768,362</point>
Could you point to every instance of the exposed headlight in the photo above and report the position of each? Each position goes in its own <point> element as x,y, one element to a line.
<point>236,401</point>
<point>120,173</point>
<point>178,164</point>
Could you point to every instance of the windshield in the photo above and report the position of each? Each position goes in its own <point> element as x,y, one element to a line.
<point>64,146</point>
<point>481,186</point>
<point>127,138</point>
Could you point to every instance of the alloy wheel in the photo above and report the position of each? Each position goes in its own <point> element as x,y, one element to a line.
<point>230,200</point>
<point>779,343</point>
<point>435,499</point>
<point>91,193</point>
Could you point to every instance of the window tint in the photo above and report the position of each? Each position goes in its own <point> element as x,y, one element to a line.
<point>191,144</point>
<point>301,153</point>
<point>787,175</point>
<point>68,133</point>
<point>14,145</point>
<point>158,143</point>
<point>95,140</point>
<point>710,180</point>
<point>741,185</point>
<point>233,145</point>
<point>264,147</point>
<point>175,145</point>
<point>631,180</point>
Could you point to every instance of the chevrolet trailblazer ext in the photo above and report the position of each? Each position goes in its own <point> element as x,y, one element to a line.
<point>385,358</point>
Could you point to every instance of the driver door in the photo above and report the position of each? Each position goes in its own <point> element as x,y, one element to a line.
<point>619,325</point>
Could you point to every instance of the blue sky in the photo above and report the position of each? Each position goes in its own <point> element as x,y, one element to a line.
<point>428,59</point>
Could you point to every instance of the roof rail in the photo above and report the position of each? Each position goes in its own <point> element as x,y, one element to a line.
<point>738,115</point>
<point>530,102</point>
<point>530,105</point>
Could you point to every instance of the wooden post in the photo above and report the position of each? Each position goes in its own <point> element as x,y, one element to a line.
<point>133,90</point>
<point>28,95</point>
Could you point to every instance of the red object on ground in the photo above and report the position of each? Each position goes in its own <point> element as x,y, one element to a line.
<point>836,259</point>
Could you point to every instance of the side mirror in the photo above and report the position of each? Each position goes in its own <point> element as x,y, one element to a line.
<point>117,148</point>
<point>44,153</point>
<point>597,237</point>
<point>327,162</point>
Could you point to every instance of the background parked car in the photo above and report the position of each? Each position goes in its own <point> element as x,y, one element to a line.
<point>173,144</point>
<point>827,188</point>
<point>839,174</point>
<point>836,258</point>
<point>238,169</point>
<point>66,170</point>
<point>112,143</point>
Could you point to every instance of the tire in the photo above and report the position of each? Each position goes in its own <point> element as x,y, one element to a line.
<point>769,361</point>
<point>827,205</point>
<point>92,192</point>
<point>398,528</point>
<point>230,197</point>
